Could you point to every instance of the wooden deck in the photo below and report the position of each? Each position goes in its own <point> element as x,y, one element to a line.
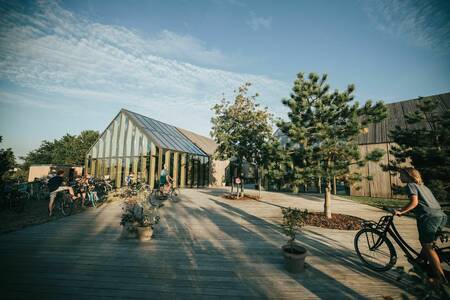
<point>206,247</point>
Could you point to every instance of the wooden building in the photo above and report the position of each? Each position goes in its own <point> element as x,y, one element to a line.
<point>378,137</point>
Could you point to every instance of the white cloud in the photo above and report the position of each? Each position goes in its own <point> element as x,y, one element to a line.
<point>422,23</point>
<point>257,23</point>
<point>231,2</point>
<point>54,51</point>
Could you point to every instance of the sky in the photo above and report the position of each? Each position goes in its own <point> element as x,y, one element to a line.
<point>67,66</point>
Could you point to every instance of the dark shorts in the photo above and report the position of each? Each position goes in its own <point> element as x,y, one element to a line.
<point>428,225</point>
<point>162,180</point>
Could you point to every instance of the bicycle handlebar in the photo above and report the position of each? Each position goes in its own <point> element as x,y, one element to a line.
<point>390,210</point>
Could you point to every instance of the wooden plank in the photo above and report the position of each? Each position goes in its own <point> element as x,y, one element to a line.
<point>380,186</point>
<point>206,247</point>
<point>183,170</point>
<point>175,169</point>
<point>360,188</point>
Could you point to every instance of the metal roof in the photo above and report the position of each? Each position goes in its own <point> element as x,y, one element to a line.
<point>207,145</point>
<point>164,135</point>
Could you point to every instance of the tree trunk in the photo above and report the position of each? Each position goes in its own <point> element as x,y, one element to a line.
<point>327,204</point>
<point>334,185</point>
<point>232,185</point>
<point>319,185</point>
<point>259,182</point>
<point>242,187</point>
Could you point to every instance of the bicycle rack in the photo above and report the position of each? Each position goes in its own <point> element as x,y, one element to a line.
<point>368,224</point>
<point>384,223</point>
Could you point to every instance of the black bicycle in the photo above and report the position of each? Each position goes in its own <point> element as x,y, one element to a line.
<point>63,203</point>
<point>15,200</point>
<point>377,252</point>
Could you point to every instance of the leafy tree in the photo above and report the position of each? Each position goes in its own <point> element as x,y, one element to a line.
<point>278,166</point>
<point>69,149</point>
<point>323,127</point>
<point>7,161</point>
<point>242,130</point>
<point>425,143</point>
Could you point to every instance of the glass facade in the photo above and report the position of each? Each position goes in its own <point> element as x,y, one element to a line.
<point>142,146</point>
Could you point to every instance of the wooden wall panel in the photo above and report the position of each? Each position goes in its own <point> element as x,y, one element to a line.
<point>380,186</point>
<point>360,188</point>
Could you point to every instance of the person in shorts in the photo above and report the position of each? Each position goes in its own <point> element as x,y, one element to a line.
<point>165,181</point>
<point>429,215</point>
<point>55,185</point>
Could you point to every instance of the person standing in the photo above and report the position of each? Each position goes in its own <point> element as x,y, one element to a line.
<point>56,185</point>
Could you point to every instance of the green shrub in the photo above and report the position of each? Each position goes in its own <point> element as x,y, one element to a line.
<point>293,220</point>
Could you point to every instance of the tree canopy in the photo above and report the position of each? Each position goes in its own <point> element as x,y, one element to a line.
<point>7,161</point>
<point>322,129</point>
<point>242,129</point>
<point>69,149</point>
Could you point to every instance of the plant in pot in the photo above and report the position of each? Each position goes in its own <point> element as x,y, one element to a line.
<point>294,254</point>
<point>145,226</point>
<point>129,222</point>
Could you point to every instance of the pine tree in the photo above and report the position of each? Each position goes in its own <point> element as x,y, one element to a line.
<point>322,128</point>
<point>425,143</point>
<point>242,130</point>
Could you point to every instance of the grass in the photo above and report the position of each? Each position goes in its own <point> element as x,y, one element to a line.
<point>378,202</point>
<point>384,202</point>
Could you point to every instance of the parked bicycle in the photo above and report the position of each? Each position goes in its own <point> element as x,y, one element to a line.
<point>15,200</point>
<point>375,249</point>
<point>158,195</point>
<point>40,192</point>
<point>63,203</point>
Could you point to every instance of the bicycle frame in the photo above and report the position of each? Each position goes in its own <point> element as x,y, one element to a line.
<point>410,253</point>
<point>387,226</point>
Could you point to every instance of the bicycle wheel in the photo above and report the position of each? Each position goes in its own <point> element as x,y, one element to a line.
<point>174,193</point>
<point>375,250</point>
<point>18,202</point>
<point>66,205</point>
<point>154,198</point>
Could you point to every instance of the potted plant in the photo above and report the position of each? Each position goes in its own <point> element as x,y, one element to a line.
<point>294,254</point>
<point>129,221</point>
<point>137,221</point>
<point>145,226</point>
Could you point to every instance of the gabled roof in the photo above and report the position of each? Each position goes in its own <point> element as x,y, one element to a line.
<point>207,145</point>
<point>164,135</point>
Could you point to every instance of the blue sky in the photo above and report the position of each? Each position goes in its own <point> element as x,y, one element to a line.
<point>66,66</point>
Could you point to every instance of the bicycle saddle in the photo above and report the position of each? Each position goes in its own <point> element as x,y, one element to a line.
<point>442,235</point>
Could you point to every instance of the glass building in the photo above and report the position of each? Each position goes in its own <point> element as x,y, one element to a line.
<point>136,144</point>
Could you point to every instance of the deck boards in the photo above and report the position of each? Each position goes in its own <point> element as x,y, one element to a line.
<point>206,247</point>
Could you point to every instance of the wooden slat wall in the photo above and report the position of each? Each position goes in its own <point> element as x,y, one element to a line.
<point>378,137</point>
<point>379,133</point>
<point>380,186</point>
<point>360,188</point>
<point>382,181</point>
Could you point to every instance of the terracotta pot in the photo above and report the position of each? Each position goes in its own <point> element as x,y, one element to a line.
<point>145,233</point>
<point>295,262</point>
<point>128,231</point>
